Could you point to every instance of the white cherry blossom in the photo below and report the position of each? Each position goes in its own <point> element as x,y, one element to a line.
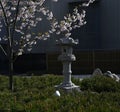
<point>21,16</point>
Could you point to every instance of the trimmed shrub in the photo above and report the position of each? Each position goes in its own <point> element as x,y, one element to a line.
<point>100,83</point>
<point>36,94</point>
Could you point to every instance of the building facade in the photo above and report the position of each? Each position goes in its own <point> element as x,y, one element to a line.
<point>98,41</point>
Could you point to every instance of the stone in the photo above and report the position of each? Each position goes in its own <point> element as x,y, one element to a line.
<point>97,71</point>
<point>112,75</point>
<point>57,93</point>
<point>66,58</point>
<point>108,74</point>
<point>116,77</point>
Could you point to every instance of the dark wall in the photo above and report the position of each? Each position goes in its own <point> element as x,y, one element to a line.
<point>89,35</point>
<point>110,24</point>
<point>99,41</point>
<point>87,61</point>
<point>30,63</point>
<point>100,32</point>
<point>3,59</point>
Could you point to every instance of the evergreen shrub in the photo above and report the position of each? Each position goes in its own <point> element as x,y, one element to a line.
<point>100,83</point>
<point>36,94</point>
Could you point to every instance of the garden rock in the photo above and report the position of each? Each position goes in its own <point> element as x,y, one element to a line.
<point>97,71</point>
<point>112,75</point>
<point>57,93</point>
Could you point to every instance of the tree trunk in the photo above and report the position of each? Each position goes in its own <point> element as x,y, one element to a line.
<point>10,57</point>
<point>11,86</point>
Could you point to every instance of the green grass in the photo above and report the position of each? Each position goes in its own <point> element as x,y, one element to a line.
<point>36,94</point>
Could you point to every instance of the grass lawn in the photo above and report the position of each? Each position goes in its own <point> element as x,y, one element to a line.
<point>36,94</point>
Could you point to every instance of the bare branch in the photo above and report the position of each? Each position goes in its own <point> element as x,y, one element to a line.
<point>3,50</point>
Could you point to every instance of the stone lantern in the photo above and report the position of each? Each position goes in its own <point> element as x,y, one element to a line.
<point>66,58</point>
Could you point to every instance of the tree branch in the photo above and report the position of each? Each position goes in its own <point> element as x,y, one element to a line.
<point>6,21</point>
<point>3,50</point>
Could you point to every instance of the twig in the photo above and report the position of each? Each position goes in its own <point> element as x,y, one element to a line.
<point>3,50</point>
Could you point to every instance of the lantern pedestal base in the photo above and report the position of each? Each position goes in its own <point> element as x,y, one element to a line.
<point>68,87</point>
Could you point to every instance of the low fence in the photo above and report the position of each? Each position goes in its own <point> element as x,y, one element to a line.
<point>87,61</point>
<point>30,63</point>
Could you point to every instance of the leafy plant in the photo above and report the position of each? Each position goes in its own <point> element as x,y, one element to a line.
<point>37,95</point>
<point>100,84</point>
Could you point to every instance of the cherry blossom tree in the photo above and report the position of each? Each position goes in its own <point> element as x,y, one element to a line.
<point>18,18</point>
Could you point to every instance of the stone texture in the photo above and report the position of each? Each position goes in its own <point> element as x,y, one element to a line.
<point>112,75</point>
<point>66,58</point>
<point>97,71</point>
<point>107,74</point>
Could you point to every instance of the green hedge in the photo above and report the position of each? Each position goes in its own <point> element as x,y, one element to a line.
<point>36,94</point>
<point>100,84</point>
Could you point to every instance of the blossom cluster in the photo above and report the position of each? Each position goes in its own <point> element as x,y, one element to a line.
<point>22,16</point>
<point>71,21</point>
